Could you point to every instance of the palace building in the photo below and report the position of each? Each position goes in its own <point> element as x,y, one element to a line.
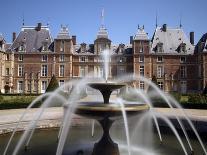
<point>33,57</point>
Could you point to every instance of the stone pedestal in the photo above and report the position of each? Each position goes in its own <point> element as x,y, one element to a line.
<point>106,146</point>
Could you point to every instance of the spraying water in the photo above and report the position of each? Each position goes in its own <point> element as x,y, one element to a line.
<point>106,57</point>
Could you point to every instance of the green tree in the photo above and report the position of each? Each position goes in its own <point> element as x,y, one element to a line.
<point>53,84</point>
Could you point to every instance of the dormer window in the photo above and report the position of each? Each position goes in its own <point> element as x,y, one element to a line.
<point>159,59</point>
<point>182,47</point>
<point>20,58</point>
<point>121,48</point>
<point>21,47</point>
<point>83,47</point>
<point>159,47</point>
<point>44,47</point>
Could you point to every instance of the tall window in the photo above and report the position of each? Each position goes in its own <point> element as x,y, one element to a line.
<point>7,56</point>
<point>7,71</point>
<point>141,85</point>
<point>20,70</point>
<point>141,58</point>
<point>159,59</point>
<point>121,70</point>
<point>141,70</point>
<point>43,86</point>
<point>160,85</point>
<point>62,58</point>
<point>44,58</point>
<point>183,72</point>
<point>20,58</point>
<point>83,59</point>
<point>20,86</point>
<point>182,59</point>
<point>160,71</point>
<point>61,70</point>
<point>82,71</point>
<point>44,70</point>
<point>62,46</point>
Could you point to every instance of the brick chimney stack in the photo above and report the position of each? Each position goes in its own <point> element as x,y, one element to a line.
<point>192,38</point>
<point>39,25</point>
<point>13,36</point>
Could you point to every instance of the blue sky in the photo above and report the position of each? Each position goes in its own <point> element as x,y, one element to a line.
<point>121,16</point>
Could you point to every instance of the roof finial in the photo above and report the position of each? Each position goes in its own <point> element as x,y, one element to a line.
<point>102,17</point>
<point>23,19</point>
<point>156,20</point>
<point>180,20</point>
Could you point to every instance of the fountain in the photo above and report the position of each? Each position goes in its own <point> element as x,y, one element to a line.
<point>106,112</point>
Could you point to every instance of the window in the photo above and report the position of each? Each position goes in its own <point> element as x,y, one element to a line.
<point>199,71</point>
<point>141,58</point>
<point>62,46</point>
<point>20,70</point>
<point>183,71</point>
<point>7,56</point>
<point>159,59</point>
<point>62,57</point>
<point>183,59</point>
<point>182,47</point>
<point>44,58</point>
<point>29,87</point>
<point>20,86</point>
<point>121,70</point>
<point>61,70</point>
<point>141,70</point>
<point>44,70</point>
<point>160,47</point>
<point>61,82</point>
<point>183,86</point>
<point>141,85</point>
<point>7,71</point>
<point>21,48</point>
<point>82,59</point>
<point>20,58</point>
<point>122,59</point>
<point>101,72</point>
<point>141,48</point>
<point>160,71</point>
<point>44,86</point>
<point>44,47</point>
<point>160,85</point>
<point>82,71</point>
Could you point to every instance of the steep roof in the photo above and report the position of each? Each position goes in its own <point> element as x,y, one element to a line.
<point>171,39</point>
<point>141,34</point>
<point>33,38</point>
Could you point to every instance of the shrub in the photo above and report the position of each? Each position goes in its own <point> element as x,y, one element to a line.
<point>53,84</point>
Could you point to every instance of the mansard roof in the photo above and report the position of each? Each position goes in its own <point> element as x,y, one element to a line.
<point>171,40</point>
<point>33,38</point>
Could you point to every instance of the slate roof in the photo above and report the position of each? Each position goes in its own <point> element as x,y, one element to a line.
<point>141,34</point>
<point>32,39</point>
<point>171,41</point>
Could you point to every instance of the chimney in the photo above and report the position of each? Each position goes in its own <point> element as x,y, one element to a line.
<point>39,25</point>
<point>131,39</point>
<point>13,36</point>
<point>192,38</point>
<point>74,40</point>
<point>164,27</point>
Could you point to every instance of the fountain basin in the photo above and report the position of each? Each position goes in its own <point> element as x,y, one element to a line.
<point>96,110</point>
